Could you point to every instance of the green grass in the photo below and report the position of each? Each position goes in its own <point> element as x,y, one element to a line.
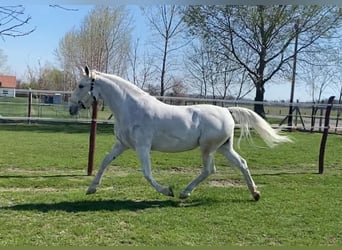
<point>18,107</point>
<point>43,203</point>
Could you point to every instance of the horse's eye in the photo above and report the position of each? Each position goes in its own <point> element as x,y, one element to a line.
<point>81,86</point>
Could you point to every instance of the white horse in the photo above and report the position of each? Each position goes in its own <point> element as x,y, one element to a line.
<point>144,123</point>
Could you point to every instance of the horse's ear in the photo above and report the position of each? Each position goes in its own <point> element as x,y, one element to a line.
<point>86,71</point>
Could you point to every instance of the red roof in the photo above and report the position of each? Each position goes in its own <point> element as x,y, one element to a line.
<point>8,81</point>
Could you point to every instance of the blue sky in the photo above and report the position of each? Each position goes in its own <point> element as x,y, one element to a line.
<point>52,24</point>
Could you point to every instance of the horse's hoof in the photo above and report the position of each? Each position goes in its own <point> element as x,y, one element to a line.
<point>256,196</point>
<point>91,191</point>
<point>171,192</point>
<point>184,195</point>
<point>167,191</point>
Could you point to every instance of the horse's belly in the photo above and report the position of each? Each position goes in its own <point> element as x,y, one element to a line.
<point>169,143</point>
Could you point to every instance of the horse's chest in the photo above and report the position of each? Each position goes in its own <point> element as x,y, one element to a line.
<point>122,133</point>
<point>132,134</point>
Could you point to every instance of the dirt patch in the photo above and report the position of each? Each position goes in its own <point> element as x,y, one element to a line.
<point>226,183</point>
<point>29,189</point>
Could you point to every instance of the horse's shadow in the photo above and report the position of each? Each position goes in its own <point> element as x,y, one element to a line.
<point>93,205</point>
<point>108,205</point>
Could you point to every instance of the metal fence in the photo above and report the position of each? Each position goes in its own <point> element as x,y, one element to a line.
<point>52,106</point>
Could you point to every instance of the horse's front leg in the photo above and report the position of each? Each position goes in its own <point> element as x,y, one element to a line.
<point>115,152</point>
<point>144,156</point>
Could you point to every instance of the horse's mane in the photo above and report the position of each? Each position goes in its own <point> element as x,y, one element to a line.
<point>121,82</point>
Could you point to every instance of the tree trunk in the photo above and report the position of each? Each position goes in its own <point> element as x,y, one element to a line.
<point>259,97</point>
<point>163,70</point>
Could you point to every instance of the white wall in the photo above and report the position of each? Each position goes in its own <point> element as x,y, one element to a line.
<point>4,92</point>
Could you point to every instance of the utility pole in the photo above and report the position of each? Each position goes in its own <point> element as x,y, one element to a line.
<point>289,121</point>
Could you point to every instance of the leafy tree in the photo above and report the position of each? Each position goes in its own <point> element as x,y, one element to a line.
<point>260,38</point>
<point>102,42</point>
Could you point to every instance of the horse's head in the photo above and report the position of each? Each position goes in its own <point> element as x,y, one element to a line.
<point>82,97</point>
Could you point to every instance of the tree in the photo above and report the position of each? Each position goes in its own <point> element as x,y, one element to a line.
<point>169,26</point>
<point>52,79</point>
<point>3,63</point>
<point>140,66</point>
<point>260,38</point>
<point>102,42</point>
<point>45,77</point>
<point>319,73</point>
<point>213,75</point>
<point>13,21</point>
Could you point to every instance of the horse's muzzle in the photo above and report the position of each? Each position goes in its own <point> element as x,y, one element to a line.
<point>73,109</point>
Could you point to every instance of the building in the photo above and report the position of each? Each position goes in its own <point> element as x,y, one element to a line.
<point>7,86</point>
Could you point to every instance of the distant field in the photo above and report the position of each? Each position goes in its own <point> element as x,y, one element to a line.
<point>43,203</point>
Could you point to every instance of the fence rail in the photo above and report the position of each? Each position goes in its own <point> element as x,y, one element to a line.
<point>52,106</point>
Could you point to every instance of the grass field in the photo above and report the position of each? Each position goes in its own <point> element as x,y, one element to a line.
<point>43,203</point>
<point>18,107</point>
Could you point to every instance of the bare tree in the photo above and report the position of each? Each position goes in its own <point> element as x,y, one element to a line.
<point>141,70</point>
<point>317,80</point>
<point>320,68</point>
<point>214,76</point>
<point>167,22</point>
<point>319,73</point>
<point>3,63</point>
<point>13,21</point>
<point>57,6</point>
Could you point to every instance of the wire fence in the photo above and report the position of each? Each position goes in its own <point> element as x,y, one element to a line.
<point>41,106</point>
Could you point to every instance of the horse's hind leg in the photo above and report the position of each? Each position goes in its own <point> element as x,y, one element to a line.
<point>228,151</point>
<point>208,168</point>
<point>115,152</point>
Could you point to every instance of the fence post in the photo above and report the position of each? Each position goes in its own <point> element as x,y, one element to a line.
<point>29,106</point>
<point>320,117</point>
<point>313,118</point>
<point>325,135</point>
<point>338,111</point>
<point>92,139</point>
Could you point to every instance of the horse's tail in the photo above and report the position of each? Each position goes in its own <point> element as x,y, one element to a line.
<point>249,119</point>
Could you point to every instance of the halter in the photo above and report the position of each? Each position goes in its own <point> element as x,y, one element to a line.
<point>91,93</point>
<point>92,86</point>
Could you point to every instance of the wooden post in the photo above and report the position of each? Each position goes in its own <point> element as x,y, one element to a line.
<point>325,135</point>
<point>92,138</point>
<point>321,117</point>
<point>29,106</point>
<point>338,111</point>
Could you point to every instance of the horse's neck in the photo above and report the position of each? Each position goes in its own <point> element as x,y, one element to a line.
<point>123,84</point>
<point>116,95</point>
